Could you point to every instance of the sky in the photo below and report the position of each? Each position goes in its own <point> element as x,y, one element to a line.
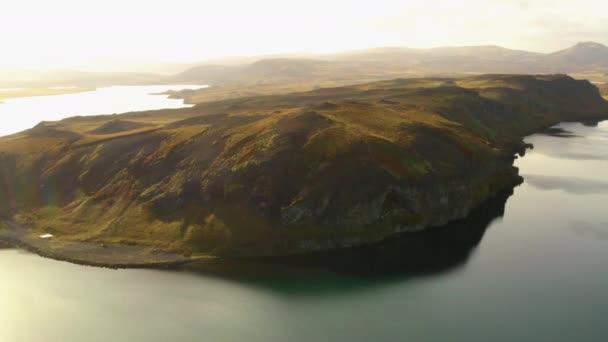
<point>104,34</point>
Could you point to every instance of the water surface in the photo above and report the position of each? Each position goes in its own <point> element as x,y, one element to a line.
<point>22,113</point>
<point>529,267</point>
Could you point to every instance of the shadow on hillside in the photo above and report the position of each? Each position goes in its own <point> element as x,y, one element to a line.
<point>406,257</point>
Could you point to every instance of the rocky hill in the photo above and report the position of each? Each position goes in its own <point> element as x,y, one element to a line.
<point>295,173</point>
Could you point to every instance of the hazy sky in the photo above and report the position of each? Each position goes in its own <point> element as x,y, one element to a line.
<point>81,33</point>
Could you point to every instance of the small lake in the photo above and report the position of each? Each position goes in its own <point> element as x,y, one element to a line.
<point>532,266</point>
<point>19,114</point>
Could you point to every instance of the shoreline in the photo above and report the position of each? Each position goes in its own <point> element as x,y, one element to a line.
<point>92,254</point>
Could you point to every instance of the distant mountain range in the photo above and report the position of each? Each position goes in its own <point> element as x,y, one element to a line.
<point>344,67</point>
<point>395,62</point>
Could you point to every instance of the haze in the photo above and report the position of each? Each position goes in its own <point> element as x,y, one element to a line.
<point>114,34</point>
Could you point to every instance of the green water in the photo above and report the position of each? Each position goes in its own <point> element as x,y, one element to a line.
<point>533,267</point>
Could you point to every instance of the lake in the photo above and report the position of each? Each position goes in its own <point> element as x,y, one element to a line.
<point>528,266</point>
<point>19,114</point>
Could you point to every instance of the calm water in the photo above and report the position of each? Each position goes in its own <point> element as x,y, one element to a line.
<point>535,269</point>
<point>22,113</point>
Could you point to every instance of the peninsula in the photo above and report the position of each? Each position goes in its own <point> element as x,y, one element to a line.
<point>278,174</point>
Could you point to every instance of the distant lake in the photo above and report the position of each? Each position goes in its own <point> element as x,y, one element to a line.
<point>529,267</point>
<point>22,113</point>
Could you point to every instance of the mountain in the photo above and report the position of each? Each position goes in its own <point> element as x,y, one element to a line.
<point>300,72</point>
<point>447,58</point>
<point>262,71</point>
<point>281,75</point>
<point>365,64</point>
<point>282,174</point>
<point>586,56</point>
<point>581,57</point>
<point>210,73</point>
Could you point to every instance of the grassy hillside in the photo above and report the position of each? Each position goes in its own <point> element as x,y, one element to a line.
<point>280,174</point>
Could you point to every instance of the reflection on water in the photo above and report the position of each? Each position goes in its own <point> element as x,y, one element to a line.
<point>590,230</point>
<point>559,132</point>
<point>533,269</point>
<point>429,253</point>
<point>585,142</point>
<point>572,185</point>
<point>22,113</point>
<point>408,256</point>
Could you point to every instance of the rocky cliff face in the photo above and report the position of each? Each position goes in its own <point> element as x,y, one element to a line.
<point>396,209</point>
<point>284,174</point>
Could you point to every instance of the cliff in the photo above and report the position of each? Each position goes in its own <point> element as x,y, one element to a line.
<point>285,174</point>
